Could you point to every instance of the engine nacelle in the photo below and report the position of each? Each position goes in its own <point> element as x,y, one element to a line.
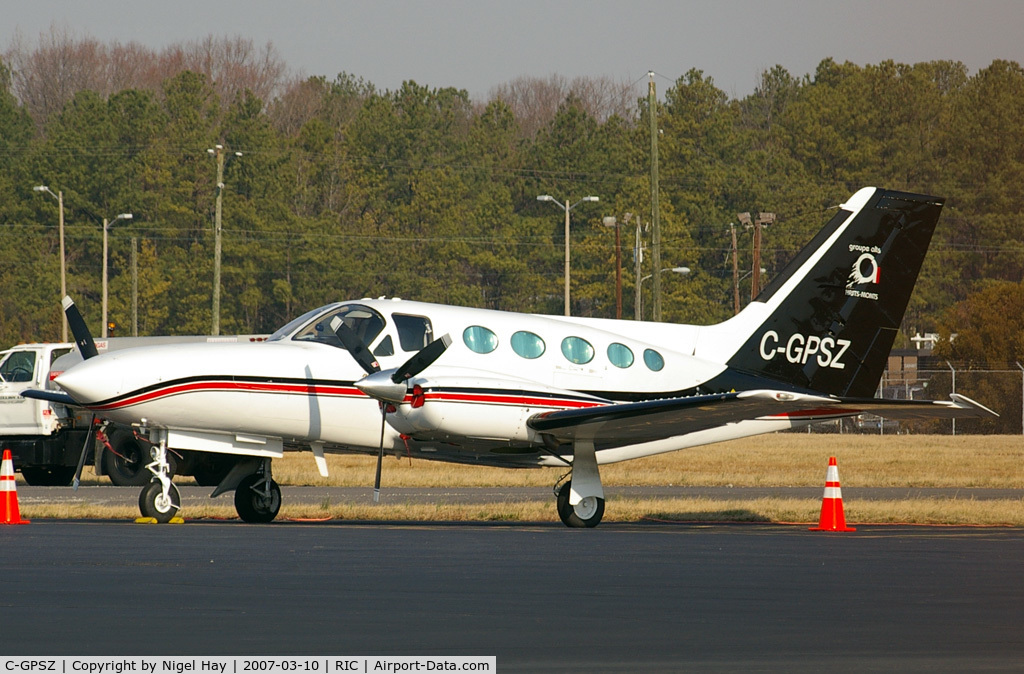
<point>482,407</point>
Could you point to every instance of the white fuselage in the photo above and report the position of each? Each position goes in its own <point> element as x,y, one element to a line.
<point>474,404</point>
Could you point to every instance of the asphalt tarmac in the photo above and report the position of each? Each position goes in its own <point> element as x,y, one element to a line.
<point>192,495</point>
<point>540,597</point>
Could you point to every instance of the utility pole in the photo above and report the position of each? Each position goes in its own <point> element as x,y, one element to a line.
<point>215,326</point>
<point>735,271</point>
<point>755,269</point>
<point>218,152</point>
<point>652,106</point>
<point>103,327</point>
<point>761,220</point>
<point>135,286</point>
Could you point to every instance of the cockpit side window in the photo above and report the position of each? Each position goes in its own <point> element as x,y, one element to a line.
<point>385,348</point>
<point>19,366</point>
<point>414,332</point>
<point>364,321</point>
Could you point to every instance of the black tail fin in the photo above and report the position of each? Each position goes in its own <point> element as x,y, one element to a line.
<point>828,321</point>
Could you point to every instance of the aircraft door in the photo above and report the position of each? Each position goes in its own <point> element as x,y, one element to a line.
<point>19,371</point>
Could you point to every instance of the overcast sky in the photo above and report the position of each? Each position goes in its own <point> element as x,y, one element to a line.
<point>475,45</point>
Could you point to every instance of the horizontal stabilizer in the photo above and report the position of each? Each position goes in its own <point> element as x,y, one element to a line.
<point>51,396</point>
<point>959,407</point>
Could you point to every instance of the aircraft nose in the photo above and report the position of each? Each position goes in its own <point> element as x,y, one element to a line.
<point>88,383</point>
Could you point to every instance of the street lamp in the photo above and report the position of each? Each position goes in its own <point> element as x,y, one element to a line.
<point>106,225</point>
<point>610,221</point>
<point>218,152</point>
<point>567,207</point>
<point>639,296</point>
<point>59,196</point>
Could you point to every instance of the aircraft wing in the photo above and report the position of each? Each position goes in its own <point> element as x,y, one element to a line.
<point>51,396</point>
<point>632,423</point>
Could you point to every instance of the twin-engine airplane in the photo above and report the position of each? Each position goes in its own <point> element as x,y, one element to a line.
<point>508,389</point>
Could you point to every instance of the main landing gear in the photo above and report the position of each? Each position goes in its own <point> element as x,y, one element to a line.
<point>580,501</point>
<point>257,495</point>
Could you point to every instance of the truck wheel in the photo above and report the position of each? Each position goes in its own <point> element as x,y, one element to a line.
<point>128,469</point>
<point>153,504</point>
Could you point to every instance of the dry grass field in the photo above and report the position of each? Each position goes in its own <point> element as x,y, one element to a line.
<point>779,460</point>
<point>788,460</point>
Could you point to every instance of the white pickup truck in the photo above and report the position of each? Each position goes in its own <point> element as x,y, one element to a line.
<point>46,439</point>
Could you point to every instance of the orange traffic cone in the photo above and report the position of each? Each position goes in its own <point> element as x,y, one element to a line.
<point>9,513</point>
<point>832,518</point>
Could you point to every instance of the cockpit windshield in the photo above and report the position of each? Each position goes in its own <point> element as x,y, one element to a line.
<point>364,321</point>
<point>285,331</point>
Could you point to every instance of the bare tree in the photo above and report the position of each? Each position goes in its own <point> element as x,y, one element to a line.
<point>336,103</point>
<point>535,100</point>
<point>131,66</point>
<point>301,100</point>
<point>231,64</point>
<point>48,74</point>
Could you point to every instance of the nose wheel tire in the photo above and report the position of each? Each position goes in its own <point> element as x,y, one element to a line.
<point>153,503</point>
<point>257,499</point>
<point>585,514</point>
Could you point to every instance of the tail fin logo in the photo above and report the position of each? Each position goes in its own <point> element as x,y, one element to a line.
<point>865,271</point>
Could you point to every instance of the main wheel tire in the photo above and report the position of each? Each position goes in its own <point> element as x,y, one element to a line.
<point>253,506</point>
<point>128,469</point>
<point>562,504</point>
<point>153,504</point>
<point>585,514</point>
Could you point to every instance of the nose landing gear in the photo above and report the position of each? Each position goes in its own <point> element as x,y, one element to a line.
<point>160,499</point>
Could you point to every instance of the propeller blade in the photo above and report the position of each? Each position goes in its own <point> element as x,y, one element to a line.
<point>83,338</point>
<point>422,359</point>
<point>85,450</point>
<point>380,451</point>
<point>355,346</point>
